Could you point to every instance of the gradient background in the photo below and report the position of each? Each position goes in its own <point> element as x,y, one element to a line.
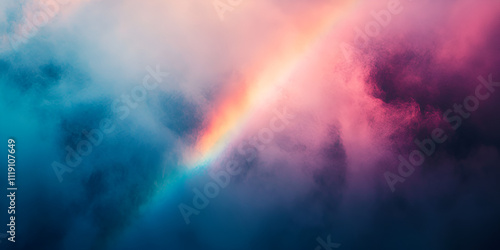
<point>322,175</point>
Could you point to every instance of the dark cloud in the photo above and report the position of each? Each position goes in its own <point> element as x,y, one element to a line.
<point>321,176</point>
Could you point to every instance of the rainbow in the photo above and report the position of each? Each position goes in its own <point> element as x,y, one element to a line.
<point>236,109</point>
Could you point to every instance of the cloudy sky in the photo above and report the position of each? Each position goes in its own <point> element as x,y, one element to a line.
<point>237,124</point>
